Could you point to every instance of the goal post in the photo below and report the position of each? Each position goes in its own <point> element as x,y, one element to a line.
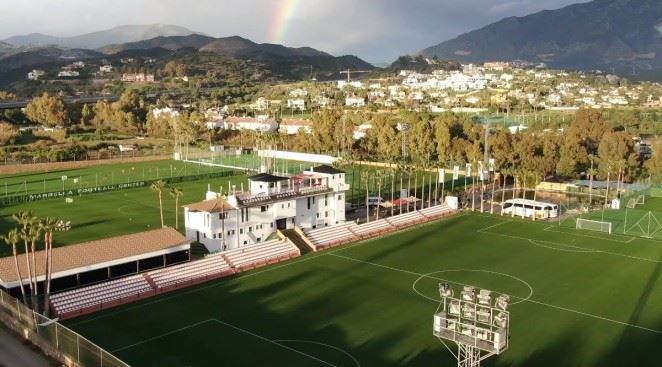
<point>593,225</point>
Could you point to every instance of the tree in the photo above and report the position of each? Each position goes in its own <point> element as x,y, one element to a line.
<point>442,134</point>
<point>47,110</point>
<point>86,115</point>
<point>26,219</point>
<point>176,193</point>
<point>48,226</point>
<point>158,187</point>
<point>8,133</point>
<point>34,233</point>
<point>12,238</point>
<point>654,165</point>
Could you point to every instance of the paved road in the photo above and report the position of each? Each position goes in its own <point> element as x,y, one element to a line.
<point>13,353</point>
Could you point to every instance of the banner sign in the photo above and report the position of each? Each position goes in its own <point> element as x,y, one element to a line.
<point>442,175</point>
<point>7,200</point>
<point>456,172</point>
<point>468,170</point>
<point>492,164</point>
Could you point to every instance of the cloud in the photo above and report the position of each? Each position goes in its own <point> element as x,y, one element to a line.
<point>377,30</point>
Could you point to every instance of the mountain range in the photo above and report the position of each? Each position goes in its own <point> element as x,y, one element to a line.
<point>20,54</point>
<point>620,35</point>
<point>95,40</point>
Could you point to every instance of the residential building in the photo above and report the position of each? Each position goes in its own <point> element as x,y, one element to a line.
<point>259,123</point>
<point>138,78</point>
<point>354,101</point>
<point>36,74</point>
<point>311,199</point>
<point>293,126</point>
<point>296,104</point>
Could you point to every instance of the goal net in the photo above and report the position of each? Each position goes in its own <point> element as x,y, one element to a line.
<point>593,225</point>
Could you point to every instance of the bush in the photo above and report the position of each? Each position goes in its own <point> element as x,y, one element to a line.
<point>8,133</point>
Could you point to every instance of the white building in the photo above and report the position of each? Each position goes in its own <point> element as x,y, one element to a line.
<point>354,101</point>
<point>296,104</point>
<point>259,123</point>
<point>298,93</point>
<point>106,68</point>
<point>312,199</point>
<point>157,112</point>
<point>68,73</point>
<point>36,74</point>
<point>292,126</point>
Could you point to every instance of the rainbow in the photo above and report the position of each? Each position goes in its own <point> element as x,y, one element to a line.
<point>284,13</point>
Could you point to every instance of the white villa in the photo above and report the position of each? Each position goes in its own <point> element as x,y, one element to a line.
<point>259,123</point>
<point>296,104</point>
<point>311,199</point>
<point>292,126</point>
<point>354,101</point>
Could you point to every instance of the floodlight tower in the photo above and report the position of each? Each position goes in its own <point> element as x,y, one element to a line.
<point>477,323</point>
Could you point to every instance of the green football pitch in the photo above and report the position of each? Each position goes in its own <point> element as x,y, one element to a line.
<point>580,298</point>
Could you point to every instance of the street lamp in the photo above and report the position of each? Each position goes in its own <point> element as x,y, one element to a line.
<point>478,323</point>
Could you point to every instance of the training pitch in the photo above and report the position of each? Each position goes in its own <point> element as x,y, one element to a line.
<point>580,298</point>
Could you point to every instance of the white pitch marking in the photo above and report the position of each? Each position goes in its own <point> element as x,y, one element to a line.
<point>356,361</point>
<point>190,326</point>
<point>594,250</point>
<point>273,342</point>
<point>429,275</point>
<point>528,300</point>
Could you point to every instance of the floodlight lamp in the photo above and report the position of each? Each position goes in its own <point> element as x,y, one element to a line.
<point>445,290</point>
<point>469,294</point>
<point>502,302</point>
<point>501,320</point>
<point>484,297</point>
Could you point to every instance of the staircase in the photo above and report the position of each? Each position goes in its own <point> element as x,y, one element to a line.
<point>297,240</point>
<point>198,251</point>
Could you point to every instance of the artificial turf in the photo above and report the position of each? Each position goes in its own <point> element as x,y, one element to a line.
<point>579,299</point>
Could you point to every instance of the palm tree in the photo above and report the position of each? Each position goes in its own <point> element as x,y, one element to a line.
<point>48,226</point>
<point>176,193</point>
<point>34,232</point>
<point>12,238</point>
<point>25,219</point>
<point>158,187</point>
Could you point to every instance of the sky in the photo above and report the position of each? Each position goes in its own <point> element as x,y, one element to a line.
<point>375,30</point>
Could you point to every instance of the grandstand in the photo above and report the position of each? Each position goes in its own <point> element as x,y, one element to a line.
<point>327,237</point>
<point>101,296</point>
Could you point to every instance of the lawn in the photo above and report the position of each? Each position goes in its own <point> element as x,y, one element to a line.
<point>40,182</point>
<point>579,299</point>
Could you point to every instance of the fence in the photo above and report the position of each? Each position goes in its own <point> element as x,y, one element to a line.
<point>52,337</point>
<point>16,199</point>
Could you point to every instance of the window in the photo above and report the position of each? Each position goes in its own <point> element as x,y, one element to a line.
<point>288,204</point>
<point>326,199</point>
<point>250,229</point>
<point>241,231</point>
<point>263,208</point>
<point>282,206</point>
<point>313,199</point>
<point>222,216</point>
<point>339,197</point>
<point>272,225</point>
<point>308,203</point>
<point>326,214</point>
<point>318,215</point>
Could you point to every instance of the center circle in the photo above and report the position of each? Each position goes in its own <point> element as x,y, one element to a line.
<point>431,275</point>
